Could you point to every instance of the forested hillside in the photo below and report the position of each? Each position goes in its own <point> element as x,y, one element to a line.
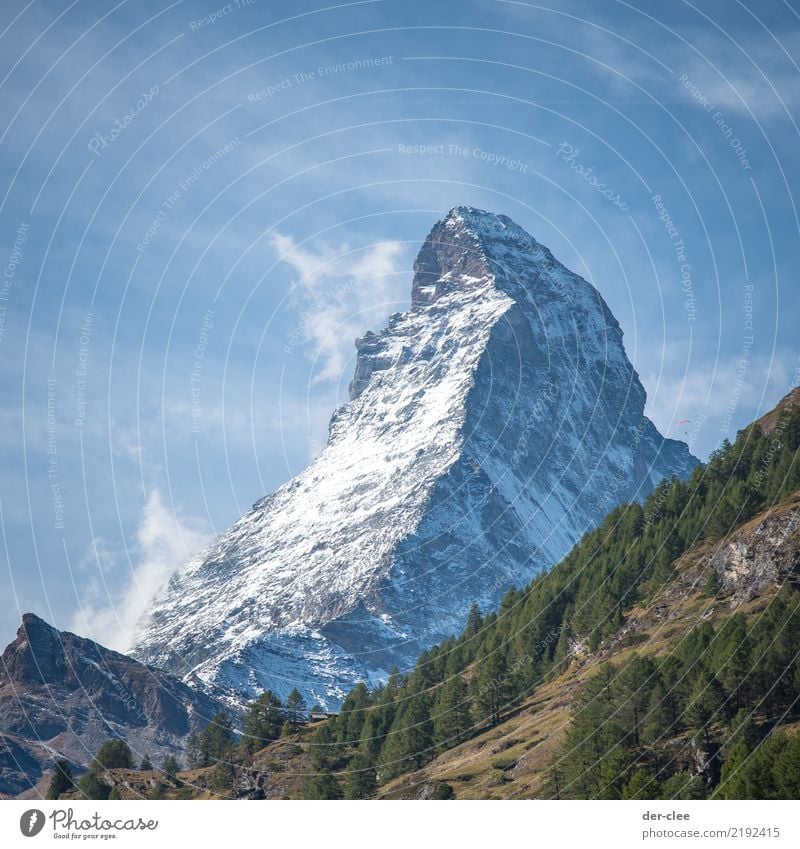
<point>658,660</point>
<point>724,686</point>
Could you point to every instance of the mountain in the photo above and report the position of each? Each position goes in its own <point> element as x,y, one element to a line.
<point>62,695</point>
<point>488,428</point>
<point>658,660</point>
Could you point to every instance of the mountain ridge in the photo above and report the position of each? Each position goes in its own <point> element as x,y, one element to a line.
<point>63,695</point>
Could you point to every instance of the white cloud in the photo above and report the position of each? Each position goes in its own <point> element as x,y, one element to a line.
<point>753,77</point>
<point>164,542</point>
<point>340,293</point>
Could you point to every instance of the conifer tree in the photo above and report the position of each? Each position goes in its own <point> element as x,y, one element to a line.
<point>295,707</point>
<point>193,758</point>
<point>113,754</point>
<point>170,767</point>
<point>360,778</point>
<point>409,743</point>
<point>491,687</point>
<point>216,740</point>
<point>324,751</point>
<point>263,721</point>
<point>452,718</point>
<point>62,779</point>
<point>322,785</point>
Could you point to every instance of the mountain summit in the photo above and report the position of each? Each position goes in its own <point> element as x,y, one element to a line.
<point>488,428</point>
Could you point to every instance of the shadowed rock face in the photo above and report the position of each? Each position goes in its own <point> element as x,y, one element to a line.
<point>488,428</point>
<point>62,695</point>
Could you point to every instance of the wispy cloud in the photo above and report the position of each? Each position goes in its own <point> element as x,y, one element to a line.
<point>755,77</point>
<point>164,541</point>
<point>341,292</point>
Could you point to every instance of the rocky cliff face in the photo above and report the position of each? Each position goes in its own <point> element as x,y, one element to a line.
<point>63,695</point>
<point>759,557</point>
<point>489,427</point>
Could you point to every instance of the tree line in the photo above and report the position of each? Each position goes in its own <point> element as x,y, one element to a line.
<point>722,689</point>
<point>469,682</point>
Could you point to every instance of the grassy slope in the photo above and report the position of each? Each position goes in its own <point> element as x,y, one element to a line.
<point>511,759</point>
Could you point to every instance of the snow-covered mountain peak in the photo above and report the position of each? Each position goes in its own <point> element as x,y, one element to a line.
<point>487,429</point>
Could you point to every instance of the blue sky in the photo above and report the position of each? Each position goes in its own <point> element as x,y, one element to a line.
<point>203,204</point>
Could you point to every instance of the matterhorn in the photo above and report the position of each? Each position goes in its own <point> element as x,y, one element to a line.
<point>488,428</point>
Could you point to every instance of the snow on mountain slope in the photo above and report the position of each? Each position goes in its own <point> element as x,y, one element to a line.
<point>489,427</point>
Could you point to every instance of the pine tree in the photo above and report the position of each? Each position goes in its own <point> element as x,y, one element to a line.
<point>491,688</point>
<point>170,767</point>
<point>193,757</point>
<point>705,705</point>
<point>353,714</point>
<point>786,768</point>
<point>443,791</point>
<point>322,785</point>
<point>376,726</point>
<point>92,787</point>
<point>113,754</point>
<point>146,765</point>
<point>324,751</point>
<point>295,707</point>
<point>642,785</point>
<point>474,621</point>
<point>452,718</point>
<point>409,744</point>
<point>62,779</point>
<point>732,657</point>
<point>360,778</point>
<point>216,740</point>
<point>683,785</point>
<point>263,721</point>
<point>633,695</point>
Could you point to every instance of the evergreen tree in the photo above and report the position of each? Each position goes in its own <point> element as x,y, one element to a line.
<point>62,779</point>
<point>146,765</point>
<point>159,791</point>
<point>353,714</point>
<point>360,778</point>
<point>732,658</point>
<point>170,767</point>
<point>92,787</point>
<point>409,743</point>
<point>322,785</point>
<point>113,754</point>
<point>295,707</point>
<point>491,688</point>
<point>786,768</point>
<point>324,751</point>
<point>376,726</point>
<point>193,757</point>
<point>443,791</point>
<point>263,722</point>
<point>452,720</point>
<point>474,621</point>
<point>642,785</point>
<point>705,705</point>
<point>683,785</point>
<point>216,741</point>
